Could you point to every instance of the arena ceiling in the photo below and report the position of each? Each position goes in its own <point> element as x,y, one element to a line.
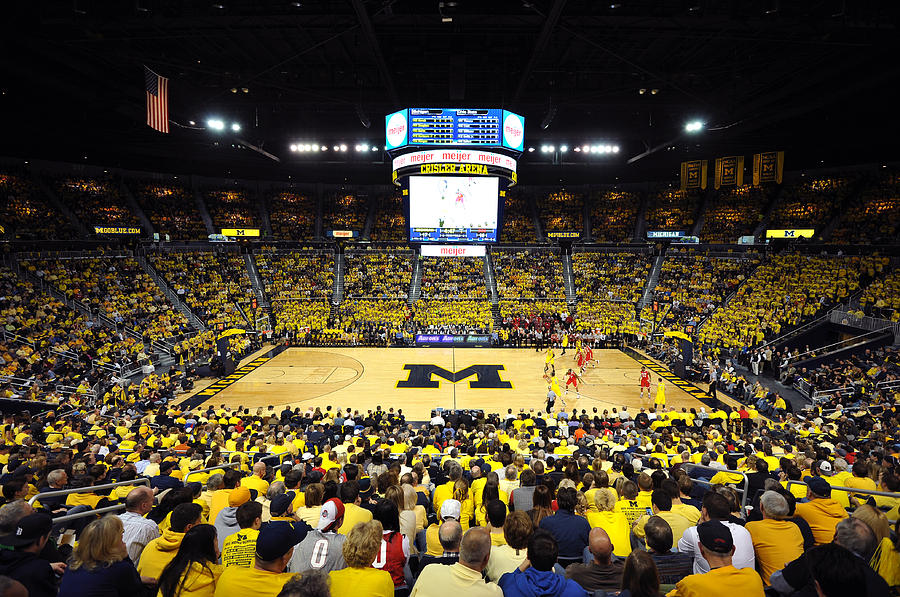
<point>817,79</point>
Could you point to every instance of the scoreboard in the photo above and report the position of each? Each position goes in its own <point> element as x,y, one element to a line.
<point>417,127</point>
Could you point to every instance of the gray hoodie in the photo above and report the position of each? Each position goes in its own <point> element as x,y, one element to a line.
<point>226,524</point>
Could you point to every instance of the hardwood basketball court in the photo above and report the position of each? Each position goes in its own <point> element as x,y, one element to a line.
<point>421,379</point>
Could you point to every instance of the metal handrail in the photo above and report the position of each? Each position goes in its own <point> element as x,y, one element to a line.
<point>853,490</point>
<point>848,343</point>
<point>92,488</point>
<point>212,468</point>
<point>743,492</point>
<point>97,512</point>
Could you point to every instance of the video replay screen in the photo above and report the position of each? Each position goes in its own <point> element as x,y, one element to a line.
<point>453,208</point>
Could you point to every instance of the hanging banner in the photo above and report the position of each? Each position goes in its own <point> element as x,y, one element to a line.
<point>768,167</point>
<point>693,175</point>
<point>730,171</point>
<point>240,231</point>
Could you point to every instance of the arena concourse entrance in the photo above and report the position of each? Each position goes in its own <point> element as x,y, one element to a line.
<point>419,380</point>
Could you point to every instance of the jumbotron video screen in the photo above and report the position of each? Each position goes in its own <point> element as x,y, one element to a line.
<point>453,208</point>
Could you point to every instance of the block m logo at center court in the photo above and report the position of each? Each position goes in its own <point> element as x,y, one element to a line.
<point>486,376</point>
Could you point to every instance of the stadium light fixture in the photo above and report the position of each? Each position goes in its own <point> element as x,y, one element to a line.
<point>336,148</point>
<point>563,148</point>
<point>530,149</point>
<point>294,147</point>
<point>615,149</point>
<point>550,149</point>
<point>324,148</point>
<point>343,147</point>
<point>235,127</point>
<point>585,148</point>
<point>215,124</point>
<point>374,148</point>
<point>578,149</point>
<point>694,126</point>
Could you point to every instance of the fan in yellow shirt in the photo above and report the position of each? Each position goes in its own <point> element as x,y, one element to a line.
<point>360,578</point>
<point>717,547</point>
<point>274,548</point>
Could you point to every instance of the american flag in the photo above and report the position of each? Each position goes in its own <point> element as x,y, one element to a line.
<point>157,100</point>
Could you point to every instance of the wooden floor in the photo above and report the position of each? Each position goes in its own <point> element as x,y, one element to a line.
<point>363,378</point>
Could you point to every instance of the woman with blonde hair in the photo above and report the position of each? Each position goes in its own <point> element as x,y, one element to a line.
<point>407,517</point>
<point>614,522</point>
<point>100,563</point>
<point>410,502</point>
<point>467,507</point>
<point>359,577</point>
<point>875,519</point>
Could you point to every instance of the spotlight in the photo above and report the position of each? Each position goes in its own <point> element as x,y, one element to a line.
<point>585,148</point>
<point>563,148</point>
<point>578,149</point>
<point>335,148</point>
<point>293,147</point>
<point>693,126</point>
<point>374,148</point>
<point>191,122</point>
<point>530,149</point>
<point>235,127</point>
<point>315,147</point>
<point>615,149</point>
<point>608,148</point>
<point>654,91</point>
<point>642,91</point>
<point>343,147</point>
<point>594,149</point>
<point>543,149</point>
<point>324,148</point>
<point>215,124</point>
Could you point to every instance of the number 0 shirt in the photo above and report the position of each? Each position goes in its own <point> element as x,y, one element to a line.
<point>318,551</point>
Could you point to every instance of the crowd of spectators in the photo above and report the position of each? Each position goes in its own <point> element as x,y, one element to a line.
<point>292,215</point>
<point>612,319</point>
<point>610,276</point>
<point>451,316</point>
<point>534,323</point>
<point>344,502</point>
<point>215,286</point>
<point>856,375</point>
<point>518,224</point>
<point>390,219</point>
<point>672,209</point>
<point>693,285</point>
<point>116,287</point>
<point>460,277</point>
<point>613,215</point>
<point>873,218</point>
<point>345,211</point>
<point>374,274</point>
<point>733,213</point>
<point>529,274</point>
<point>231,208</point>
<point>785,291</point>
<point>95,202</point>
<point>810,204</point>
<point>881,298</point>
<point>296,274</point>
<point>171,209</point>
<point>25,214</point>
<point>561,211</point>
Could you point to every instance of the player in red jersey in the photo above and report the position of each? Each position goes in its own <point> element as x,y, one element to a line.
<point>645,382</point>
<point>572,379</point>
<point>581,361</point>
<point>588,354</point>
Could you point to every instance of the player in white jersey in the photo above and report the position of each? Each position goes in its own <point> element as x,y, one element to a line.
<point>322,547</point>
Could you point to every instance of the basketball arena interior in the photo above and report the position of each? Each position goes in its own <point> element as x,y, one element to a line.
<point>389,297</point>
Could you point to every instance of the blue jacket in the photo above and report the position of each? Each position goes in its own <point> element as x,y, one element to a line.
<point>534,583</point>
<point>570,531</point>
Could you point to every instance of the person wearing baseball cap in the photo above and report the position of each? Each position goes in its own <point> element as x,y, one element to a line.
<point>354,513</point>
<point>450,510</point>
<point>20,560</point>
<point>274,548</point>
<point>322,547</point>
<point>282,507</point>
<point>723,579</point>
<point>821,512</point>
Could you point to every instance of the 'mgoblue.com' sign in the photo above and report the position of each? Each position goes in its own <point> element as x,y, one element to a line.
<point>486,376</point>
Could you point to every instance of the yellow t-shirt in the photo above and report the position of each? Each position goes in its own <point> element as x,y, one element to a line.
<point>822,515</point>
<point>616,526</point>
<point>239,548</point>
<point>237,581</point>
<point>253,482</point>
<point>726,580</point>
<point>354,514</point>
<point>353,582</point>
<point>776,542</point>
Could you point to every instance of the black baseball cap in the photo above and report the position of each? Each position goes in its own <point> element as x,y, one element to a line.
<point>715,536</point>
<point>276,538</point>
<point>28,530</point>
<point>281,503</point>
<point>818,485</point>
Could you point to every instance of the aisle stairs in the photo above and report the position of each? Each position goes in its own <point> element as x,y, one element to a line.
<point>489,281</point>
<point>652,280</point>
<point>135,207</point>
<point>569,279</point>
<point>256,281</point>
<point>337,292</point>
<point>170,294</point>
